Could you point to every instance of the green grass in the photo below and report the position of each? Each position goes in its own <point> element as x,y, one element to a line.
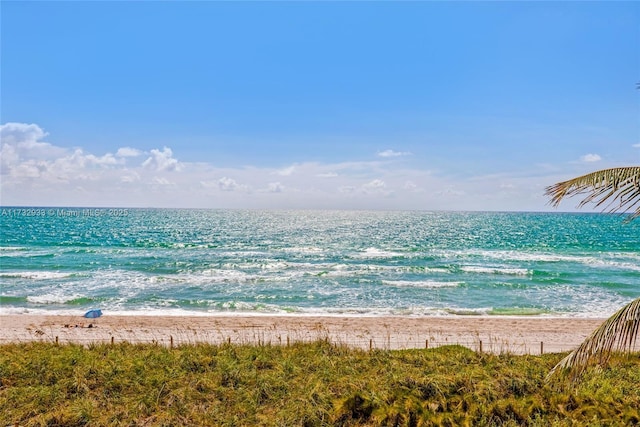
<point>313,384</point>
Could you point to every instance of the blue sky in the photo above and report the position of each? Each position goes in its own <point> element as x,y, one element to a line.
<point>353,105</point>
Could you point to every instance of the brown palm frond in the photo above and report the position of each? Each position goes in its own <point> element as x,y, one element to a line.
<point>619,186</point>
<point>619,333</point>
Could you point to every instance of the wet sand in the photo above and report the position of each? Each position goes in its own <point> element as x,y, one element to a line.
<point>518,335</point>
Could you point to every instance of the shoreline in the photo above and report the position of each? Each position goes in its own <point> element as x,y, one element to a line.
<point>496,334</point>
<point>297,314</point>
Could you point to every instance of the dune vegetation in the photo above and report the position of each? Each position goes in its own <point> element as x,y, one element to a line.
<point>312,384</point>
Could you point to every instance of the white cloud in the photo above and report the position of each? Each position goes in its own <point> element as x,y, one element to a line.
<point>590,158</point>
<point>27,170</point>
<point>209,184</point>
<point>275,187</point>
<point>35,172</point>
<point>21,145</point>
<point>377,186</point>
<point>128,152</point>
<point>229,184</point>
<point>21,133</point>
<point>130,177</point>
<point>451,191</point>
<point>106,160</point>
<point>327,175</point>
<point>410,186</point>
<point>24,157</point>
<point>286,171</point>
<point>347,189</point>
<point>161,161</point>
<point>391,153</point>
<point>161,181</point>
<point>636,145</point>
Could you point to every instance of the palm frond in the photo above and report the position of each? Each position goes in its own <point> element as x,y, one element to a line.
<point>620,187</point>
<point>619,333</point>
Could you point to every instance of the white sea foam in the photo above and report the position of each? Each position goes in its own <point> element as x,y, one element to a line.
<point>461,311</point>
<point>615,264</point>
<point>281,265</point>
<point>421,283</point>
<point>35,275</point>
<point>346,270</point>
<point>519,256</point>
<point>585,301</point>
<point>436,270</point>
<point>626,261</point>
<point>495,270</point>
<point>242,306</point>
<point>25,253</point>
<point>53,298</point>
<point>311,250</point>
<point>374,253</point>
<point>218,276</point>
<point>627,255</point>
<point>531,256</point>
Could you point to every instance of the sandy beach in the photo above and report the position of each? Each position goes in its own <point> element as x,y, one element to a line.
<point>520,335</point>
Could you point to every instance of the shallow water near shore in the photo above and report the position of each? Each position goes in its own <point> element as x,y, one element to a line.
<point>168,261</point>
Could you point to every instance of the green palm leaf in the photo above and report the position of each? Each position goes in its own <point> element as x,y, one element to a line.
<point>618,333</point>
<point>620,187</point>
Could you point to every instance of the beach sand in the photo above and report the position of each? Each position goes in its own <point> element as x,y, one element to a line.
<point>519,335</point>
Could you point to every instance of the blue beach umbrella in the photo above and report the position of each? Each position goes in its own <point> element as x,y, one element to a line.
<point>92,314</point>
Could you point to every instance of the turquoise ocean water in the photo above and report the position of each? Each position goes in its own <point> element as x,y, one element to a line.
<point>196,262</point>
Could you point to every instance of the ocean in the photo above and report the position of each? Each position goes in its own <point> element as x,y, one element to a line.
<point>363,263</point>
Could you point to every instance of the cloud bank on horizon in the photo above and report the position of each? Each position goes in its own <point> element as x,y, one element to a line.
<point>312,105</point>
<point>36,172</point>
